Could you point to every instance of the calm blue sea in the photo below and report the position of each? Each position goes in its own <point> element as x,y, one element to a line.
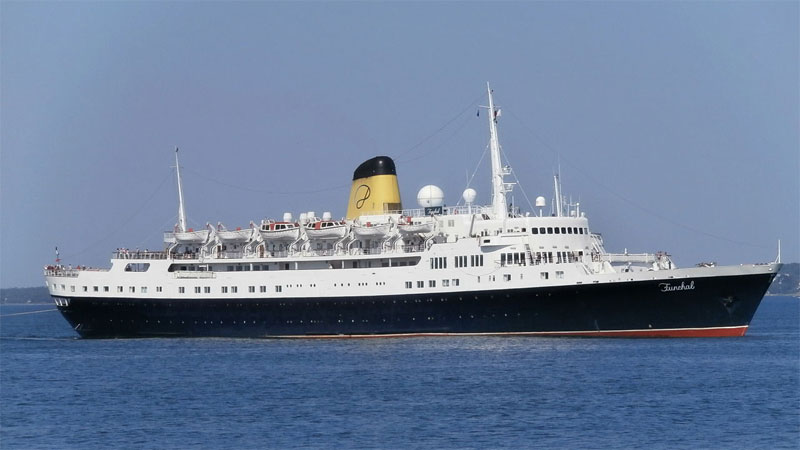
<point>57,391</point>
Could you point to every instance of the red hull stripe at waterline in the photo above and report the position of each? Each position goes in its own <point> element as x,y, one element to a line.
<point>674,332</point>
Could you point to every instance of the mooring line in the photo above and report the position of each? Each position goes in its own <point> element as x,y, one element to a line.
<point>29,312</point>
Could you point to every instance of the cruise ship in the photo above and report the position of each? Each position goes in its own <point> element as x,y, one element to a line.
<point>386,271</point>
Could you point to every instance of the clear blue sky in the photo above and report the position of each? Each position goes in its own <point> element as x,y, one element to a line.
<point>676,122</point>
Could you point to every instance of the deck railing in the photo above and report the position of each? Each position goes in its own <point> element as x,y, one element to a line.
<point>135,254</point>
<point>61,271</point>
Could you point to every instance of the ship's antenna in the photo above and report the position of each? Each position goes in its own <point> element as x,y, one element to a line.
<point>778,259</point>
<point>498,172</point>
<point>181,210</point>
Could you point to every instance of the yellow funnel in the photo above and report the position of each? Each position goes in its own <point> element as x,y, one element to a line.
<point>375,189</point>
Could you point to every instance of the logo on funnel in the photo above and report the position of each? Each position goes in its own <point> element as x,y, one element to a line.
<point>361,195</point>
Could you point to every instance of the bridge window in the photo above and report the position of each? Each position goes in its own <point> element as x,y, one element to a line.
<point>181,290</point>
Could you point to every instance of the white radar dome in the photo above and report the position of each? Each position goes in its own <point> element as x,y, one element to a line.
<point>430,195</point>
<point>311,215</point>
<point>287,217</point>
<point>541,202</point>
<point>303,218</point>
<point>326,215</point>
<point>469,195</point>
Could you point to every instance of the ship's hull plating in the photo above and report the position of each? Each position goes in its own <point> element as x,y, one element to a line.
<point>699,307</point>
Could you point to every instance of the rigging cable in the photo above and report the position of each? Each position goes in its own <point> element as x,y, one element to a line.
<point>513,172</point>
<point>125,222</point>
<point>428,137</point>
<point>478,166</point>
<point>399,159</point>
<point>625,199</point>
<point>267,191</point>
<point>441,144</point>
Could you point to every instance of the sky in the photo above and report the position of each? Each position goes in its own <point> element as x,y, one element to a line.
<point>674,124</point>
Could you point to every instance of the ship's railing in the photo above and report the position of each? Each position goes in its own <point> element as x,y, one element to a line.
<point>135,254</point>
<point>642,258</point>
<point>191,255</point>
<point>445,210</point>
<point>151,255</point>
<point>61,271</point>
<point>367,251</point>
<point>323,252</point>
<point>230,255</point>
<point>194,274</point>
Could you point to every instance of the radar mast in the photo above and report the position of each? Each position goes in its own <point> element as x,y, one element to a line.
<point>499,186</point>
<point>181,210</point>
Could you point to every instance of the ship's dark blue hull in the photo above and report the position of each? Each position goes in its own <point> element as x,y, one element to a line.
<point>706,306</point>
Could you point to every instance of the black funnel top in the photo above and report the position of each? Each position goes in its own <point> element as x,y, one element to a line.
<point>379,165</point>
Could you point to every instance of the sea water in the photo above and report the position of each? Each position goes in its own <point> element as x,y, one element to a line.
<point>58,391</point>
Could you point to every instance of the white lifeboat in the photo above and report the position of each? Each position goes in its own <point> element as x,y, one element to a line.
<point>191,237</point>
<point>408,226</point>
<point>326,229</point>
<point>370,230</point>
<point>279,231</point>
<point>237,235</point>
